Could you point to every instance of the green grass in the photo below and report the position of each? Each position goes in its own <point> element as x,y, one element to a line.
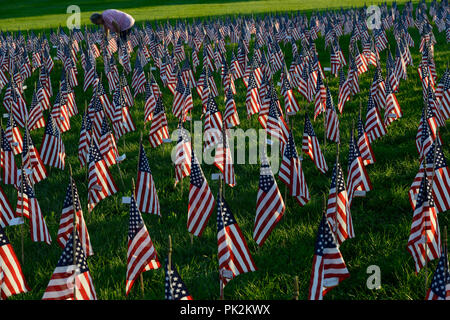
<point>27,14</point>
<point>381,220</point>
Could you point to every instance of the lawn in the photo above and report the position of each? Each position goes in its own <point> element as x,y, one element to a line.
<point>381,220</point>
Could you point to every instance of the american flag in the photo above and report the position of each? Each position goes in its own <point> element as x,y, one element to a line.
<point>6,211</point>
<point>145,193</point>
<point>107,144</point>
<point>52,148</point>
<point>424,243</point>
<point>178,98</point>
<point>43,96</point>
<point>12,280</point>
<point>28,206</point>
<point>311,147</point>
<point>358,181</point>
<point>174,287</point>
<point>138,80</point>
<point>344,91</point>
<point>159,129</point>
<point>328,268</point>
<point>338,207</point>
<point>332,119</point>
<point>183,154</point>
<point>233,253</point>
<point>252,101</point>
<point>8,164</point>
<point>374,125</point>
<point>276,125</point>
<point>141,255</point>
<point>320,97</point>
<point>36,118</point>
<point>231,116</point>
<point>223,160</point>
<point>32,159</point>
<point>291,173</point>
<point>201,200</point>
<point>440,285</point>
<point>14,136</point>
<point>213,124</point>
<point>101,183</point>
<point>85,139</point>
<point>71,279</point>
<point>269,204</point>
<point>393,111</point>
<point>150,102</point>
<point>90,74</point>
<point>71,203</point>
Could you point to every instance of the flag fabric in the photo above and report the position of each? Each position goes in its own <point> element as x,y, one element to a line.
<point>440,285</point>
<point>71,279</point>
<point>85,139</point>
<point>424,243</point>
<point>28,206</point>
<point>159,130</point>
<point>374,125</point>
<point>141,255</point>
<point>332,120</point>
<point>101,183</point>
<point>145,193</point>
<point>338,207</point>
<point>52,148</point>
<point>233,253</point>
<point>32,160</point>
<point>107,144</point>
<point>223,160</point>
<point>365,148</point>
<point>358,181</point>
<point>8,164</point>
<point>174,287</point>
<point>201,200</point>
<point>12,280</point>
<point>72,203</point>
<point>269,204</point>
<point>183,155</point>
<point>328,268</point>
<point>291,173</point>
<point>6,211</point>
<point>311,147</point>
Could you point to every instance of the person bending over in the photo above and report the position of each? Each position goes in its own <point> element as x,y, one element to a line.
<point>114,20</point>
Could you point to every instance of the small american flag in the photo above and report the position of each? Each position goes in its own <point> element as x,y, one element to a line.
<point>159,130</point>
<point>145,193</point>
<point>32,160</point>
<point>328,268</point>
<point>269,204</point>
<point>141,255</point>
<point>52,148</point>
<point>69,273</point>
<point>6,211</point>
<point>71,203</point>
<point>174,287</point>
<point>8,164</point>
<point>183,154</point>
<point>440,285</point>
<point>101,183</point>
<point>12,280</point>
<point>201,200</point>
<point>311,147</point>
<point>233,252</point>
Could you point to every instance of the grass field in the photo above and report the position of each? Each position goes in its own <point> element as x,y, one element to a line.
<point>381,220</point>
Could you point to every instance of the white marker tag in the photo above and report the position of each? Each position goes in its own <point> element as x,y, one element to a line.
<point>121,158</point>
<point>153,68</point>
<point>188,118</point>
<point>54,47</point>
<point>279,84</point>
<point>326,69</point>
<point>55,58</point>
<point>392,115</point>
<point>291,113</point>
<point>216,176</point>
<point>226,273</point>
<point>126,200</point>
<point>6,115</point>
<point>97,187</point>
<point>167,140</point>
<point>24,87</point>
<point>269,142</point>
<point>300,158</point>
<point>359,193</point>
<point>16,221</point>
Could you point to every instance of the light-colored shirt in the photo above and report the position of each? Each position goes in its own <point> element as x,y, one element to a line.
<point>123,20</point>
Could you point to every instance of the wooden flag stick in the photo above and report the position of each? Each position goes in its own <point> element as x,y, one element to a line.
<point>296,290</point>
<point>21,211</point>
<point>74,228</point>
<point>141,277</point>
